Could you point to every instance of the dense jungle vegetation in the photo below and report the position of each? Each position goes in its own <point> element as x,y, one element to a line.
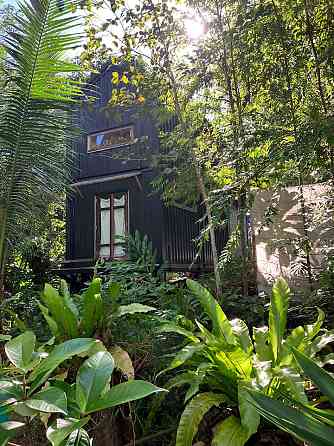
<point>132,357</point>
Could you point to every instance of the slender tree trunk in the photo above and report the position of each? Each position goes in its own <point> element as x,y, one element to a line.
<point>233,92</point>
<point>200,182</point>
<point>202,189</point>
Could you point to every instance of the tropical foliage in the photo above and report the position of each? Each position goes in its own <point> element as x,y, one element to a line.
<point>32,387</point>
<point>307,422</point>
<point>227,360</point>
<point>35,123</point>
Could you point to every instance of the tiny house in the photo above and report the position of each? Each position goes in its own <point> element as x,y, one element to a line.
<point>114,196</point>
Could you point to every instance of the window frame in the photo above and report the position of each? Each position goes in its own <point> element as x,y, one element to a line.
<point>114,146</point>
<point>112,243</point>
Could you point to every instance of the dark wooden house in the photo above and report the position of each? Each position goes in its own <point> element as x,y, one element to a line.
<point>114,196</point>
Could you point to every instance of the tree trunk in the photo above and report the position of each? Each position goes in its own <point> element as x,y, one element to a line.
<point>202,189</point>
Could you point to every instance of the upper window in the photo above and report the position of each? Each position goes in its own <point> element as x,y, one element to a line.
<point>110,139</point>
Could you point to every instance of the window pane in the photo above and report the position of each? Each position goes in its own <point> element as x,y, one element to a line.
<point>119,219</point>
<point>105,227</point>
<point>104,251</point>
<point>104,203</point>
<point>110,138</point>
<point>119,251</point>
<point>119,199</point>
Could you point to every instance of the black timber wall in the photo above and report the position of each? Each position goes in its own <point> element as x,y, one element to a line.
<point>145,215</point>
<point>99,116</point>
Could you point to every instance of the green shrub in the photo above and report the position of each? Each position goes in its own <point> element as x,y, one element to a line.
<point>225,360</point>
<point>30,386</point>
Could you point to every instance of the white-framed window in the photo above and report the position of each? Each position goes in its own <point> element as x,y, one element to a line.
<point>109,139</point>
<point>112,225</point>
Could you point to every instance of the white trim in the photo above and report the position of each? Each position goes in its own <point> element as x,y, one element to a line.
<point>119,176</point>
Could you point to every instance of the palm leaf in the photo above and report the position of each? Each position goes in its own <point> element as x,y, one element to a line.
<point>35,111</point>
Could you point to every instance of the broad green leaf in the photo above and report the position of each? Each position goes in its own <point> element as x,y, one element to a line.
<point>230,432</point>
<point>10,425</point>
<point>132,309</point>
<point>51,400</point>
<point>92,312</point>
<point>10,391</point>
<point>220,323</point>
<point>92,379</point>
<point>319,376</point>
<point>78,438</point>
<point>173,328</point>
<point>50,321</point>
<point>193,414</point>
<point>123,361</point>
<point>124,393</point>
<point>20,350</point>
<point>249,419</point>
<point>60,311</point>
<point>262,347</point>
<point>61,353</point>
<point>61,429</point>
<point>294,421</point>
<point>292,382</point>
<point>183,355</point>
<point>263,372</point>
<point>278,315</point>
<point>295,339</point>
<point>67,298</point>
<point>241,332</point>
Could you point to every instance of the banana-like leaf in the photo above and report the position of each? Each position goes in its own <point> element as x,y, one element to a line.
<point>61,353</point>
<point>124,393</point>
<point>313,329</point>
<point>193,414</point>
<point>278,315</point>
<point>20,350</point>
<point>49,400</point>
<point>61,429</point>
<point>296,422</point>
<point>319,376</point>
<point>230,432</point>
<point>93,378</point>
<point>221,325</point>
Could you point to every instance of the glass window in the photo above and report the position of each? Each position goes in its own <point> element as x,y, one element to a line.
<point>111,225</point>
<point>111,138</point>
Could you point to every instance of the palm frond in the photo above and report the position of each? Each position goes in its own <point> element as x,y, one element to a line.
<point>35,109</point>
